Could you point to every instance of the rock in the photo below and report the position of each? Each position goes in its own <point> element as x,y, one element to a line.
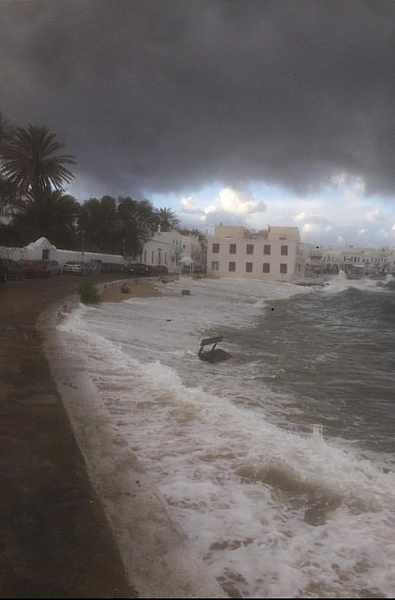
<point>125,289</point>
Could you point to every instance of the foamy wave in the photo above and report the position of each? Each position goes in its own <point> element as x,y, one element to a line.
<point>271,512</point>
<point>340,283</point>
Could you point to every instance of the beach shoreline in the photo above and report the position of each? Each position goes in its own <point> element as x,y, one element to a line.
<point>157,556</point>
<point>160,559</point>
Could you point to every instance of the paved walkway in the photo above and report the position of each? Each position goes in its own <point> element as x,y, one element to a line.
<point>54,537</point>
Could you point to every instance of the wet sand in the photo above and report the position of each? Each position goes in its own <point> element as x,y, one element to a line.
<point>55,540</point>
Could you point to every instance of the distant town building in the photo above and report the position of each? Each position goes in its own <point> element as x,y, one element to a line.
<point>351,259</point>
<point>274,253</point>
<point>178,252</point>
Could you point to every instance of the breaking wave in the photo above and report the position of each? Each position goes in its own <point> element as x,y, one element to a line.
<point>271,512</point>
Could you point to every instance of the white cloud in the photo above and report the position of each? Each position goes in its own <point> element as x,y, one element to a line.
<point>310,228</point>
<point>230,202</point>
<point>238,203</point>
<point>352,187</point>
<point>189,206</point>
<point>374,215</point>
<point>343,214</point>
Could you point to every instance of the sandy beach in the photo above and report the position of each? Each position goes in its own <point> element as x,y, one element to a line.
<point>55,538</point>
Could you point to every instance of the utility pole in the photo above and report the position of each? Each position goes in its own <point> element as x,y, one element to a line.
<point>82,245</point>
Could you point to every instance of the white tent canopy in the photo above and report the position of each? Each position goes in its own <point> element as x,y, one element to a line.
<point>186,260</point>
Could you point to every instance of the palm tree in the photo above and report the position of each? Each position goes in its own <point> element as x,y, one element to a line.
<point>138,221</point>
<point>8,191</point>
<point>167,219</point>
<point>29,161</point>
<point>6,129</point>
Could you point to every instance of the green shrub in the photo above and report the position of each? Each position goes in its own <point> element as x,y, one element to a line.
<point>89,293</point>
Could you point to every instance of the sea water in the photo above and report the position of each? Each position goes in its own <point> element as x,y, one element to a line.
<point>279,464</point>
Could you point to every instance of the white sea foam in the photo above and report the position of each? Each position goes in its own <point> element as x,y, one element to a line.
<point>271,513</point>
<point>341,283</point>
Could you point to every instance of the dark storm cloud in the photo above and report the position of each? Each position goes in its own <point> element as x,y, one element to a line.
<point>162,94</point>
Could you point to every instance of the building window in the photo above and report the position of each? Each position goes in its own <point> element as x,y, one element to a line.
<point>145,256</point>
<point>266,267</point>
<point>215,248</point>
<point>232,267</point>
<point>283,268</point>
<point>267,249</point>
<point>152,257</point>
<point>250,248</point>
<point>249,267</point>
<point>165,258</point>
<point>215,265</point>
<point>284,250</point>
<point>232,248</point>
<point>45,254</point>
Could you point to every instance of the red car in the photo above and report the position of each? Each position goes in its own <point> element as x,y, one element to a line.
<point>41,268</point>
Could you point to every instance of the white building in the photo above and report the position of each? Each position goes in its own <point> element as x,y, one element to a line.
<point>176,251</point>
<point>275,253</point>
<point>6,214</point>
<point>369,260</point>
<point>42,249</point>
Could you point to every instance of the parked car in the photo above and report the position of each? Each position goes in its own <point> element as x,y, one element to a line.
<point>3,271</point>
<point>41,268</point>
<point>107,267</point>
<point>76,268</point>
<point>10,270</point>
<point>137,269</point>
<point>158,270</point>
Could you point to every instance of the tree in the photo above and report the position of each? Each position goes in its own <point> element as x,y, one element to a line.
<point>167,219</point>
<point>53,215</point>
<point>98,225</point>
<point>30,162</point>
<point>8,190</point>
<point>117,226</point>
<point>138,221</point>
<point>6,130</point>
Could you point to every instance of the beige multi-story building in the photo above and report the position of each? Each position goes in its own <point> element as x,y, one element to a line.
<point>274,253</point>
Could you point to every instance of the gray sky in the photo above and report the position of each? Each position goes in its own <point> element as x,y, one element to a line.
<point>170,95</point>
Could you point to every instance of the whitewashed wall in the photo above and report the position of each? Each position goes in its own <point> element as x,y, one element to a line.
<point>34,251</point>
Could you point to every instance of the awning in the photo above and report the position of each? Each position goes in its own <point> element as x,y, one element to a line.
<point>186,260</point>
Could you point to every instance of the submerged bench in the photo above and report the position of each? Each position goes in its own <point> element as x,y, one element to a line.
<point>214,354</point>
